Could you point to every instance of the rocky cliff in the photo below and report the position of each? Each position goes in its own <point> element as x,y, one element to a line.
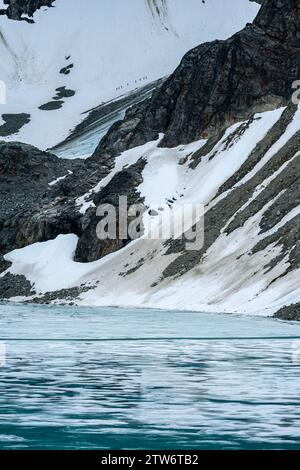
<point>222,82</point>
<point>16,9</point>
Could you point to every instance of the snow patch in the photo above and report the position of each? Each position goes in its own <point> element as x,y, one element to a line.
<point>54,182</point>
<point>48,266</point>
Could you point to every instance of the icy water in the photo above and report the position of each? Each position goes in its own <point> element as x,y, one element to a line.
<point>85,145</point>
<point>76,378</point>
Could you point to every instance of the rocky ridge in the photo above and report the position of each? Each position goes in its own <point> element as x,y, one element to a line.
<point>220,83</point>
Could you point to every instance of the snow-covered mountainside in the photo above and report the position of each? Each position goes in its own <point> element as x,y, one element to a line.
<point>222,131</point>
<point>251,265</point>
<point>81,53</point>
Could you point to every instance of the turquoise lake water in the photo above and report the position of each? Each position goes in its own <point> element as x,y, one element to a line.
<point>80,378</point>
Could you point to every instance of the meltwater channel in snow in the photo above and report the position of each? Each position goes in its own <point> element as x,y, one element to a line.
<point>77,378</point>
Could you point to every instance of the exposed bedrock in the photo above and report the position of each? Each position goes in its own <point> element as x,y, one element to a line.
<point>291,313</point>
<point>38,199</point>
<point>91,248</point>
<point>240,203</point>
<point>30,209</point>
<point>219,83</point>
<point>17,8</point>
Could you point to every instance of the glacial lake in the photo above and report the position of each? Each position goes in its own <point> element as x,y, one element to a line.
<point>83,378</point>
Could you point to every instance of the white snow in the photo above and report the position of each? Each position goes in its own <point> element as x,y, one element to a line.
<point>54,182</point>
<point>115,47</point>
<point>285,219</point>
<point>291,129</point>
<point>166,177</point>
<point>259,189</point>
<point>227,281</point>
<point>167,174</point>
<point>127,158</point>
<point>48,265</point>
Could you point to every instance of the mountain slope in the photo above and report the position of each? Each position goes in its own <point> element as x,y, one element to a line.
<point>78,55</point>
<point>250,261</point>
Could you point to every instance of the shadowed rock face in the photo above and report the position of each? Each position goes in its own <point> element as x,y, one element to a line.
<point>281,20</point>
<point>238,206</point>
<point>221,82</point>
<point>30,211</point>
<point>291,313</point>
<point>125,183</point>
<point>17,8</point>
<point>13,123</point>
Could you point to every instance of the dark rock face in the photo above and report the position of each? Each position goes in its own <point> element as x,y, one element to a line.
<point>13,123</point>
<point>63,92</point>
<point>66,70</point>
<point>111,111</point>
<point>89,247</point>
<point>57,103</point>
<point>281,20</point>
<point>51,105</point>
<point>221,82</point>
<point>11,286</point>
<point>17,8</point>
<point>30,209</point>
<point>24,175</point>
<point>67,295</point>
<point>290,313</point>
<point>230,206</point>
